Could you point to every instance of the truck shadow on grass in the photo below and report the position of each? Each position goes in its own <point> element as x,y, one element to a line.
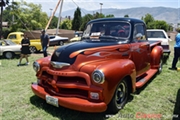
<point>64,113</point>
<point>176,113</point>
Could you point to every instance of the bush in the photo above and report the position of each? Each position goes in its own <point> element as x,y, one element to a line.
<point>178,29</point>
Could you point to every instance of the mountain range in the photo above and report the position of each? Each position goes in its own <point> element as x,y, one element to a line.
<point>170,15</point>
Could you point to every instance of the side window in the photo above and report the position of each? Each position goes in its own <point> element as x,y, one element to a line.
<point>12,37</point>
<point>139,32</point>
<point>86,33</point>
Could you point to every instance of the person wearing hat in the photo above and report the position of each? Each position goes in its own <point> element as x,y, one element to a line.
<point>139,36</point>
<point>44,42</point>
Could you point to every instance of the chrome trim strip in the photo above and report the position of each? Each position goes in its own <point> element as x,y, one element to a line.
<point>59,64</point>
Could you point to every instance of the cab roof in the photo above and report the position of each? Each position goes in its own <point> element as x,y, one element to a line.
<point>130,20</point>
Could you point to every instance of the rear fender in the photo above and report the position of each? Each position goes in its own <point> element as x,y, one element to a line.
<point>156,55</point>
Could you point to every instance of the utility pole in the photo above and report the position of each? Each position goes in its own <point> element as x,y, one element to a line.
<point>52,15</point>
<point>59,20</point>
<point>50,12</point>
<point>1,5</point>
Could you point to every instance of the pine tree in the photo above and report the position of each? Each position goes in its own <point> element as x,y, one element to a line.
<point>77,20</point>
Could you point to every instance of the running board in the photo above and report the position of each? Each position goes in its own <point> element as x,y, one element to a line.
<point>148,75</point>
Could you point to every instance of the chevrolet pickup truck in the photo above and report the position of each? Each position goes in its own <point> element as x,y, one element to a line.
<point>99,72</point>
<point>18,36</point>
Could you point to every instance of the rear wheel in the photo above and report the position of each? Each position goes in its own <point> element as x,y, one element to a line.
<point>32,49</point>
<point>160,65</point>
<point>120,97</point>
<point>61,43</point>
<point>9,55</point>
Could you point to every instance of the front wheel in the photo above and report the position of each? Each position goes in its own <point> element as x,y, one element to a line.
<point>160,65</point>
<point>61,43</point>
<point>32,49</point>
<point>120,97</point>
<point>9,55</point>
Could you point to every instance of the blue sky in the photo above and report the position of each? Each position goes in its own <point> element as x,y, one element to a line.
<point>95,4</point>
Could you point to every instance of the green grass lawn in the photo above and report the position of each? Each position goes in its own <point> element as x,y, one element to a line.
<point>17,102</point>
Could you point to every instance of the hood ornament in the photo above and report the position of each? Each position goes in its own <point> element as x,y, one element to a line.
<point>59,64</point>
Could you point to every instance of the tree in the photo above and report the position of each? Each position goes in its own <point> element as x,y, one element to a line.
<point>85,20</point>
<point>151,23</point>
<point>160,24</point>
<point>3,3</point>
<point>98,15</point>
<point>110,16</point>
<point>66,24</point>
<point>53,23</point>
<point>178,29</point>
<point>27,16</point>
<point>126,15</point>
<point>77,20</point>
<point>148,19</point>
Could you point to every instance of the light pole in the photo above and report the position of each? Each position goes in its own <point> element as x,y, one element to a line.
<point>101,7</point>
<point>50,12</point>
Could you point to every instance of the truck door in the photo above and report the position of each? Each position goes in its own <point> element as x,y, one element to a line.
<point>140,49</point>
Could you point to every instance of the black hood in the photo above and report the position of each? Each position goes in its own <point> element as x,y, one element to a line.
<point>62,54</point>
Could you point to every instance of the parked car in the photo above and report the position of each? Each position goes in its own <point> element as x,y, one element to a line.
<point>77,37</point>
<point>101,71</point>
<point>160,34</point>
<point>16,37</point>
<point>58,40</point>
<point>9,49</point>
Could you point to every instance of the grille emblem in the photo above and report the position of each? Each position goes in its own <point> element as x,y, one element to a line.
<point>59,64</point>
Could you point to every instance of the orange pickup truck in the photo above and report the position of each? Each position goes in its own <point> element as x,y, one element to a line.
<point>99,73</point>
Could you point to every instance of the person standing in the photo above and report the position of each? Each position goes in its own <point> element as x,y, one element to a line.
<point>44,42</point>
<point>25,43</point>
<point>176,52</point>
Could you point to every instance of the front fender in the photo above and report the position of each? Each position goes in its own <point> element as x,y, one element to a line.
<point>156,55</point>
<point>37,45</point>
<point>114,71</point>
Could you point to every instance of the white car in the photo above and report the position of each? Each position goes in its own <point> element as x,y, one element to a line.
<point>9,49</point>
<point>58,40</point>
<point>160,35</point>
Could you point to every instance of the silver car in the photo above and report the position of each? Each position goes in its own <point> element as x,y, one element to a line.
<point>9,49</point>
<point>58,40</point>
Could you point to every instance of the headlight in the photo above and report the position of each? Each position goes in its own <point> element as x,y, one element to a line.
<point>36,66</point>
<point>98,76</point>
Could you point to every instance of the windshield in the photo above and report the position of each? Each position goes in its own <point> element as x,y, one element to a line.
<point>111,30</point>
<point>9,42</point>
<point>155,34</point>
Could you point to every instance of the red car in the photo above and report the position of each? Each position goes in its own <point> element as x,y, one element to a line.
<point>100,71</point>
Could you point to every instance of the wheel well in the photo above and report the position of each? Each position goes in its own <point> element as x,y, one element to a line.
<point>129,83</point>
<point>8,51</point>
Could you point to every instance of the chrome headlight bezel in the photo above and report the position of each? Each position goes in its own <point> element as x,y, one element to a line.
<point>98,76</point>
<point>36,66</point>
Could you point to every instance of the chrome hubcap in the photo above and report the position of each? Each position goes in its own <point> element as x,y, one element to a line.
<point>121,95</point>
<point>8,55</point>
